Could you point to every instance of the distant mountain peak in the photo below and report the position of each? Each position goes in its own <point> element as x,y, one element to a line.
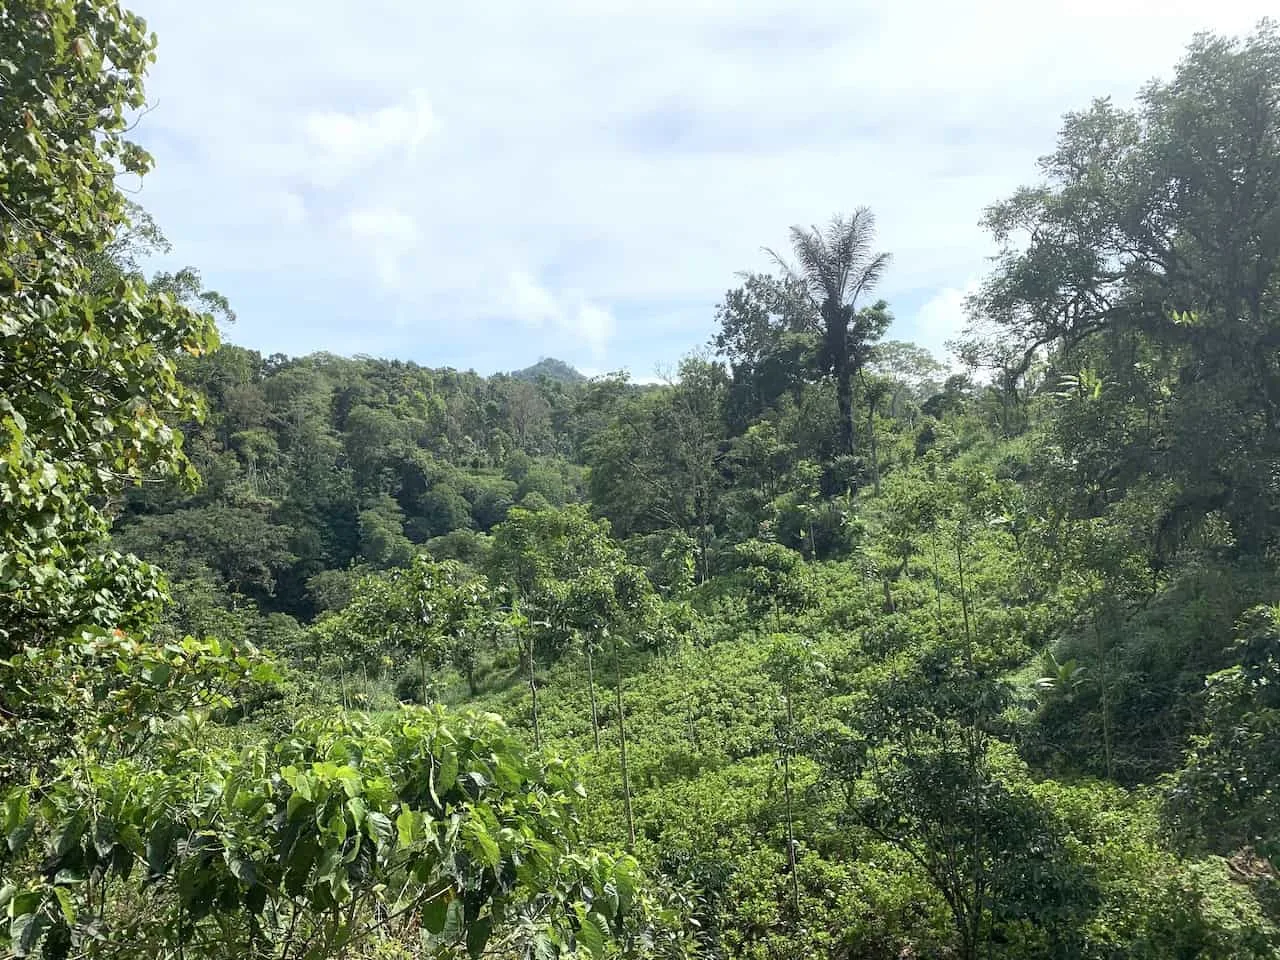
<point>552,369</point>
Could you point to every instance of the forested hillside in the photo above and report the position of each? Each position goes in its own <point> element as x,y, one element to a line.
<point>827,647</point>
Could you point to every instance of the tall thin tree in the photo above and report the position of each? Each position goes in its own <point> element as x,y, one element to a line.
<point>835,268</point>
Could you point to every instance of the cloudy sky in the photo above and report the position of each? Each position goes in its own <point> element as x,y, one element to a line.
<point>481,184</point>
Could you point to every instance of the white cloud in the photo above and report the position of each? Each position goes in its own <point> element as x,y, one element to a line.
<point>567,315</point>
<point>530,302</point>
<point>541,135</point>
<point>387,238</point>
<point>343,143</point>
<point>593,323</point>
<point>941,318</point>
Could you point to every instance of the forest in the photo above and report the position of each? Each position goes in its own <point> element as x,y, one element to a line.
<point>824,647</point>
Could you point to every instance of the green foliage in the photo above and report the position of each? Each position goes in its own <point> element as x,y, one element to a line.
<point>775,578</point>
<point>834,269</point>
<point>1226,794</point>
<point>654,463</point>
<point>106,693</point>
<point>896,663</point>
<point>88,377</point>
<point>552,369</point>
<point>345,831</point>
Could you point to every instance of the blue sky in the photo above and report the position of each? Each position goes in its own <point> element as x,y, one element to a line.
<point>479,185</point>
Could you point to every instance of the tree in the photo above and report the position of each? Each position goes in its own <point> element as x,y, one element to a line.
<point>88,378</point>
<point>1225,795</point>
<point>576,581</point>
<point>1149,258</point>
<point>776,582</point>
<point>771,335</point>
<point>791,664</point>
<point>835,268</point>
<point>634,596</point>
<point>429,612</point>
<point>919,769</point>
<point>657,462</point>
<point>874,392</point>
<point>912,371</point>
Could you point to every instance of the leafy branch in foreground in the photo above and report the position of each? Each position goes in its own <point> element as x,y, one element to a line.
<point>426,826</point>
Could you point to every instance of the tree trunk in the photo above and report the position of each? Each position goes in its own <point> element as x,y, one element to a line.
<point>1103,685</point>
<point>974,751</point>
<point>875,457</point>
<point>889,606</point>
<point>591,685</point>
<point>533,692</point>
<point>836,318</point>
<point>844,399</point>
<point>702,548</point>
<point>792,859</point>
<point>937,582</point>
<point>622,742</point>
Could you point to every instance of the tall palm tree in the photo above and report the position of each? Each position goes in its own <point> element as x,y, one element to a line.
<point>835,268</point>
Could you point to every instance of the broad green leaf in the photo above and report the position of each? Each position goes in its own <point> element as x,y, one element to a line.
<point>435,911</point>
<point>591,935</point>
<point>544,948</point>
<point>243,870</point>
<point>478,931</point>
<point>404,827</point>
<point>295,803</point>
<point>379,826</point>
<point>65,904</point>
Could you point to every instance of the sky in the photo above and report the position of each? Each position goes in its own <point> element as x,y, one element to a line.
<point>479,185</point>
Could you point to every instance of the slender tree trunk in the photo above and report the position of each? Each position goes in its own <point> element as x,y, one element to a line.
<point>973,749</point>
<point>964,605</point>
<point>835,316</point>
<point>792,859</point>
<point>937,580</point>
<point>1104,685</point>
<point>702,547</point>
<point>622,743</point>
<point>422,674</point>
<point>844,400</point>
<point>591,685</point>
<point>875,456</point>
<point>533,692</point>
